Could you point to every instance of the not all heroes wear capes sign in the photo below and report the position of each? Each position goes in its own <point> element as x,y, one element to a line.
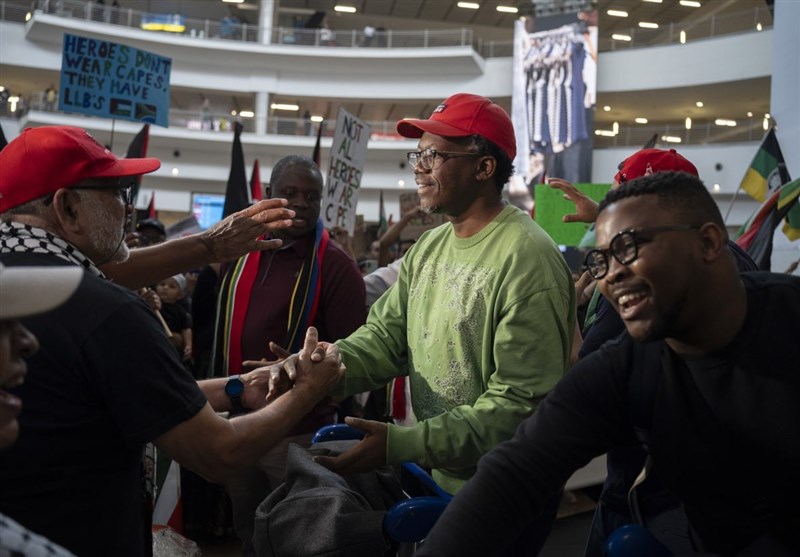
<point>114,80</point>
<point>348,155</point>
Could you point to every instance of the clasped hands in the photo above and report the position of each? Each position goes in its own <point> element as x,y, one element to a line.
<point>315,375</point>
<point>288,372</point>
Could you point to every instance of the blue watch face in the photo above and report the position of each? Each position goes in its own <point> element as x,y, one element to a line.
<point>234,387</point>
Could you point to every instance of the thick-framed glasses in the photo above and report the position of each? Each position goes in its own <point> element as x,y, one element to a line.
<point>624,247</point>
<point>123,186</point>
<point>427,158</point>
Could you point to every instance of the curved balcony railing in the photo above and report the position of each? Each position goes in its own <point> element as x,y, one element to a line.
<point>756,19</point>
<point>747,130</point>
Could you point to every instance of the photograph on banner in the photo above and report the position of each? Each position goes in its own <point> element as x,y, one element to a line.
<point>551,208</point>
<point>112,80</point>
<point>348,155</point>
<point>416,226</point>
<point>554,90</point>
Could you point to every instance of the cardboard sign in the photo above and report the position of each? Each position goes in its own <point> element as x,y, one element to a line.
<point>113,80</point>
<point>348,154</point>
<point>416,226</point>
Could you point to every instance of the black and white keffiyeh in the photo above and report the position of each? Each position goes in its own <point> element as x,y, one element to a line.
<point>16,237</point>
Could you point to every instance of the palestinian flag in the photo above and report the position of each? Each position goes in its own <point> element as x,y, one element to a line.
<point>764,175</point>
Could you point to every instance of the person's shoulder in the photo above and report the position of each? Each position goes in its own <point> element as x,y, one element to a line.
<point>757,280</point>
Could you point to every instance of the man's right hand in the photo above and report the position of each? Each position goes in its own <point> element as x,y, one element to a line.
<point>585,206</point>
<point>318,367</point>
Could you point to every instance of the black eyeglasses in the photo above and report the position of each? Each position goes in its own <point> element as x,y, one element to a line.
<point>123,186</point>
<point>427,158</point>
<point>624,247</point>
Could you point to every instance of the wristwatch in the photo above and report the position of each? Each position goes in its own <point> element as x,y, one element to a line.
<point>234,388</point>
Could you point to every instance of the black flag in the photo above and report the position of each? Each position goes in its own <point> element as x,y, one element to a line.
<point>236,194</point>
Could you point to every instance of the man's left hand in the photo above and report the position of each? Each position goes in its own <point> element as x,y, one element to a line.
<point>368,454</point>
<point>240,233</point>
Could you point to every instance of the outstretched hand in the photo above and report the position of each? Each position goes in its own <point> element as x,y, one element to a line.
<point>368,454</point>
<point>240,233</point>
<point>585,206</point>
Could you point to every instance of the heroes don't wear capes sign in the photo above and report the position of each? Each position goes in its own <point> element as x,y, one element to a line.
<point>113,80</point>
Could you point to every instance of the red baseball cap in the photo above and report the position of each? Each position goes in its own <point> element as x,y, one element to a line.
<point>463,114</point>
<point>42,160</point>
<point>650,161</point>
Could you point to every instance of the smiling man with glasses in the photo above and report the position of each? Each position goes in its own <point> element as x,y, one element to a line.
<point>705,378</point>
<point>480,318</point>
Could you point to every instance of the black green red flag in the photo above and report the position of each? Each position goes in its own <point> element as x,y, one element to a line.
<point>767,171</point>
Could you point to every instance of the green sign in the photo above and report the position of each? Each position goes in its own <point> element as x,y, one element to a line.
<point>551,207</point>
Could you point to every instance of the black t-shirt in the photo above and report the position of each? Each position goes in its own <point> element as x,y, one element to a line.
<point>724,434</point>
<point>104,382</point>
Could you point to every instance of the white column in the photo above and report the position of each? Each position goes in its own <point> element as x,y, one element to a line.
<point>266,18</point>
<point>786,82</point>
<point>262,112</point>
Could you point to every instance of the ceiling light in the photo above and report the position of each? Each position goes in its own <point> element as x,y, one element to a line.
<point>175,171</point>
<point>507,9</point>
<point>724,122</point>
<point>2,88</point>
<point>689,3</point>
<point>248,6</point>
<point>604,133</point>
<point>280,106</point>
<point>716,187</point>
<point>247,114</point>
<point>469,5</point>
<point>617,13</point>
<point>683,37</point>
<point>233,113</point>
<point>607,108</point>
<point>615,128</point>
<point>618,37</point>
<point>317,119</point>
<point>401,183</point>
<point>653,1</point>
<point>640,120</point>
<point>670,139</point>
<point>749,114</point>
<point>764,124</point>
<point>758,27</point>
<point>688,123</point>
<point>233,1</point>
<point>648,25</point>
<point>767,115</point>
<point>344,9</point>
<point>28,16</point>
<point>699,104</point>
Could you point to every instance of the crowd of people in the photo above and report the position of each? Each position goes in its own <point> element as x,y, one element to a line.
<point>226,348</point>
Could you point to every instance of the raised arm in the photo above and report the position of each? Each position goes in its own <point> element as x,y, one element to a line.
<point>232,237</point>
<point>585,206</point>
<point>392,235</point>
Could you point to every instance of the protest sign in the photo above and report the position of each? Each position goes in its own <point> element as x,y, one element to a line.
<point>113,80</point>
<point>348,154</point>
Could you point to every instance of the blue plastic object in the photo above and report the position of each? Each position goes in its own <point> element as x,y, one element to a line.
<point>410,520</point>
<point>633,540</point>
<point>336,432</point>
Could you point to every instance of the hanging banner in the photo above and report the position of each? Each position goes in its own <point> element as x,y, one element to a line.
<point>111,80</point>
<point>348,155</point>
<point>553,100</point>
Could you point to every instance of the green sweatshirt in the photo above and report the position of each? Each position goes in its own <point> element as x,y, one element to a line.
<point>483,328</point>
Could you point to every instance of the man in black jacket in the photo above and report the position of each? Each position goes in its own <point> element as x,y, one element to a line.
<point>705,378</point>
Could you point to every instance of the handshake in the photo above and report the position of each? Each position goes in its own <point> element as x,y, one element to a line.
<point>315,369</point>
